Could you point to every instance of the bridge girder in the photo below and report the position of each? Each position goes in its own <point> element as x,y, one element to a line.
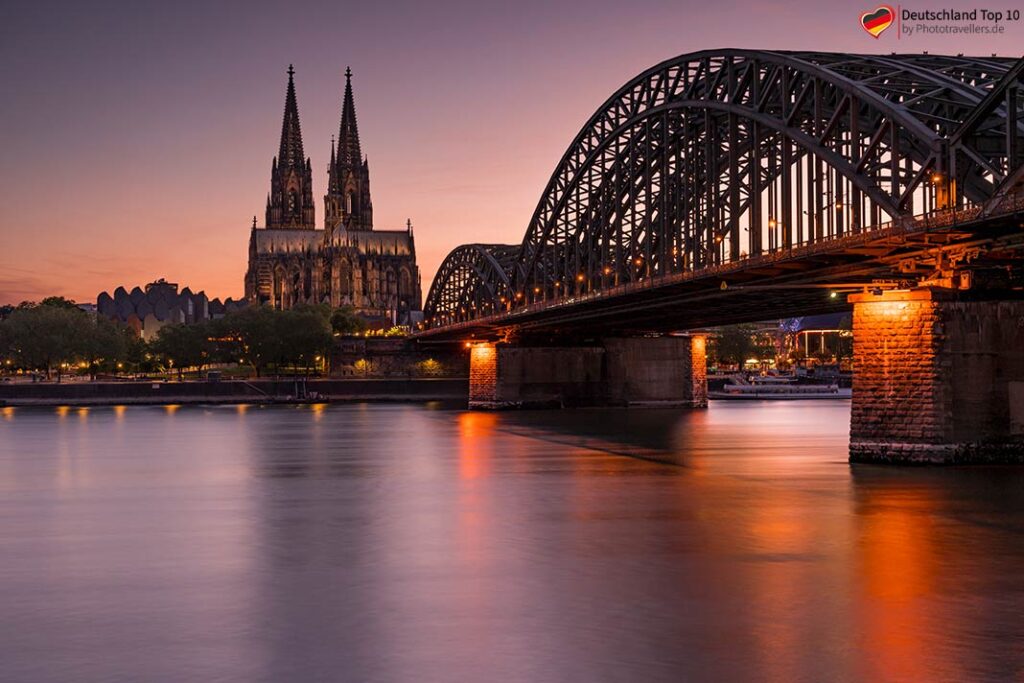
<point>721,155</point>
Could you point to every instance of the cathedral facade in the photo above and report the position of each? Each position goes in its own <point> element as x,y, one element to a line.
<point>344,263</point>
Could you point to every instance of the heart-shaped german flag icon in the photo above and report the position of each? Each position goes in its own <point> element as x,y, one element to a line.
<point>877,20</point>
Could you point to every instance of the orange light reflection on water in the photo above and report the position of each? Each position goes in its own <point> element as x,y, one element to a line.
<point>475,432</point>
<point>897,565</point>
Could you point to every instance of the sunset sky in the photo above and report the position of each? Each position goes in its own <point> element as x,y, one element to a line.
<point>137,137</point>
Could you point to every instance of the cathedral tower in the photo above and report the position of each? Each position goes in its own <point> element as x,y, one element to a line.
<point>347,202</point>
<point>290,202</point>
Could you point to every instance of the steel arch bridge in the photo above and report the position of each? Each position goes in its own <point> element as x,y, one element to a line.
<point>721,161</point>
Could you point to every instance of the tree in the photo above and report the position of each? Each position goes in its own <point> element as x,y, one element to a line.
<point>185,346</point>
<point>59,302</point>
<point>107,346</point>
<point>305,334</point>
<point>137,355</point>
<point>733,345</point>
<point>764,347</point>
<point>251,336</point>
<point>50,335</point>
<point>6,345</point>
<point>346,321</point>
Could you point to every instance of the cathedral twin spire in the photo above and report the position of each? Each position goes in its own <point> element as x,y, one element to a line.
<point>290,202</point>
<point>347,203</point>
<point>291,132</point>
<point>349,153</point>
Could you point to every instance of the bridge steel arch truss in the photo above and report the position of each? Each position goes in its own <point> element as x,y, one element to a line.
<point>716,156</point>
<point>471,282</point>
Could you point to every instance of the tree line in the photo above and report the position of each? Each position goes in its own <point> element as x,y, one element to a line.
<point>54,336</point>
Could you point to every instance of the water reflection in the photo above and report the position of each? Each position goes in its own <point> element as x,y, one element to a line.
<point>476,432</point>
<point>389,542</point>
<point>934,551</point>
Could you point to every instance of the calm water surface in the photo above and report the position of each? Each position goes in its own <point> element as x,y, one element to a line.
<point>418,543</point>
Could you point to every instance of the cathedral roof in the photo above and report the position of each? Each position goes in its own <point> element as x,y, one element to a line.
<point>387,242</point>
<point>284,241</point>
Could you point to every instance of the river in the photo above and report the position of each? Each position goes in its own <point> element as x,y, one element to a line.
<point>377,542</point>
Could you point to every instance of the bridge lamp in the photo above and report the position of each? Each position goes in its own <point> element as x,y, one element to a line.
<point>639,261</point>
<point>839,206</point>
<point>772,223</point>
<point>519,295</point>
<point>579,278</point>
<point>833,295</point>
<point>936,178</point>
<point>536,290</point>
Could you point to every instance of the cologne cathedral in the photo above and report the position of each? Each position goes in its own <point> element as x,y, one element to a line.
<point>347,262</point>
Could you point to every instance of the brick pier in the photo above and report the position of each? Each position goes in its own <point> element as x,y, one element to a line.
<point>625,371</point>
<point>938,378</point>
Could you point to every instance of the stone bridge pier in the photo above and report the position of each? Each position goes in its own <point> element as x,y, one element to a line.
<point>620,371</point>
<point>938,377</point>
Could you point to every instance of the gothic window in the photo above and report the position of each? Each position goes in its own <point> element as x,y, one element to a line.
<point>345,278</point>
<point>279,288</point>
<point>349,202</point>
<point>293,202</point>
<point>404,284</point>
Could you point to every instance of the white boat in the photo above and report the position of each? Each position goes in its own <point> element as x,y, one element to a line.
<point>777,389</point>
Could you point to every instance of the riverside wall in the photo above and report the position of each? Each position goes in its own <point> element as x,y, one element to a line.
<point>231,391</point>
